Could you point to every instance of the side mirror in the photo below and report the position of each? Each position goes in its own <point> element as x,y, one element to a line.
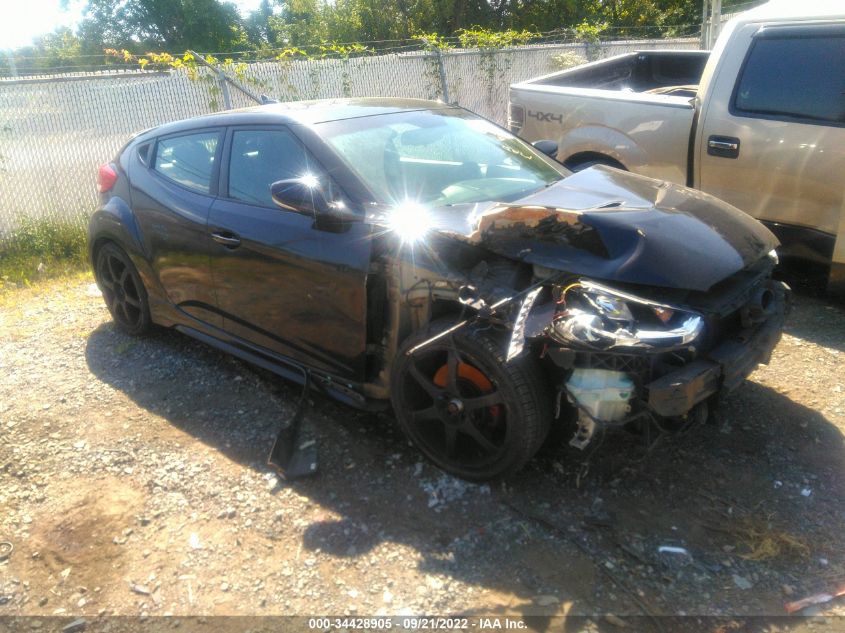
<point>301,195</point>
<point>307,196</point>
<point>549,148</point>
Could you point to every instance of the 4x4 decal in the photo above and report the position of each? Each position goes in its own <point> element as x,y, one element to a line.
<point>546,116</point>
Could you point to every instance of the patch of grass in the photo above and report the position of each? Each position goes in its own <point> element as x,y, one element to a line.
<point>43,248</point>
<point>14,298</point>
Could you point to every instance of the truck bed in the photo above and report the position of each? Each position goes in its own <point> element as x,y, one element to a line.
<point>610,111</point>
<point>643,71</point>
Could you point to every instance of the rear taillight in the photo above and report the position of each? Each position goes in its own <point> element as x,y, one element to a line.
<point>516,118</point>
<point>106,177</point>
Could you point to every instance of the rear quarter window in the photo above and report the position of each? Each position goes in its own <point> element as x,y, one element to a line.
<point>188,159</point>
<point>794,78</point>
<point>144,153</point>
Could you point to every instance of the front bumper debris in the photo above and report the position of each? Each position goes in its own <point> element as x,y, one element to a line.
<point>723,368</point>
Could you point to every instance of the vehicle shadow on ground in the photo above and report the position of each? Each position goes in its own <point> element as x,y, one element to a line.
<point>820,322</point>
<point>575,533</point>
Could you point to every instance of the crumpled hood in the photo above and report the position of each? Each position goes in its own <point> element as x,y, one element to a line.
<point>616,226</point>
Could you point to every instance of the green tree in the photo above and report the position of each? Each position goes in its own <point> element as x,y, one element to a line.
<point>647,18</point>
<point>173,25</point>
<point>258,26</point>
<point>59,49</point>
<point>140,26</point>
<point>301,23</point>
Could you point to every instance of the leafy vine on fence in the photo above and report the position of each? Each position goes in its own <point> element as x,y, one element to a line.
<point>193,69</point>
<point>493,47</point>
<point>344,52</point>
<point>495,57</point>
<point>434,45</point>
<point>285,59</point>
<point>590,35</point>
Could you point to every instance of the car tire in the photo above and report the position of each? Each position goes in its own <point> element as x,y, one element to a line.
<point>123,291</point>
<point>485,423</point>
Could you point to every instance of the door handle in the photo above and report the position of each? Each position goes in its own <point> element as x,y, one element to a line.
<point>227,239</point>
<point>723,146</point>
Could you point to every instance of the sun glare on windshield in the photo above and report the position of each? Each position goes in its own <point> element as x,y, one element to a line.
<point>439,158</point>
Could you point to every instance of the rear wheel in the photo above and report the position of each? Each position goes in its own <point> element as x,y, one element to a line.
<point>469,411</point>
<point>122,290</point>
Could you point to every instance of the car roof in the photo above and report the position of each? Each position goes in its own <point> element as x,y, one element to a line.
<point>301,113</point>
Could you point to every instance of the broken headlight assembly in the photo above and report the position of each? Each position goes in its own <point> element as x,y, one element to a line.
<point>594,316</point>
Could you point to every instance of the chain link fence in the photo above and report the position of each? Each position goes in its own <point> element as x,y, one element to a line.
<point>56,130</point>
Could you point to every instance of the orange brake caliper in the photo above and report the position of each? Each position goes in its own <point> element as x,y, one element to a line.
<point>472,375</point>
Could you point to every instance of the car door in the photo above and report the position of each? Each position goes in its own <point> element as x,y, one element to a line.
<point>172,191</point>
<point>772,142</point>
<point>282,283</point>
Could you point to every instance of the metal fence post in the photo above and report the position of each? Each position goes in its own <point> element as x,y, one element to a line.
<point>715,22</point>
<point>442,70</point>
<point>224,87</point>
<point>224,80</point>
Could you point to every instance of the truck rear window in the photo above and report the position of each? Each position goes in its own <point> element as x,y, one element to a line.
<point>796,77</point>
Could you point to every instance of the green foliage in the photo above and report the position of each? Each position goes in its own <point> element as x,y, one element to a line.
<point>591,34</point>
<point>566,59</point>
<point>195,70</point>
<point>303,23</point>
<point>432,41</point>
<point>59,49</point>
<point>138,26</point>
<point>40,248</point>
<point>478,37</point>
<point>344,51</point>
<point>142,25</point>
<point>435,44</point>
<point>285,58</point>
<point>644,18</point>
<point>290,53</point>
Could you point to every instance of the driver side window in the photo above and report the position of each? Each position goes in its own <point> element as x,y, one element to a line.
<point>261,157</point>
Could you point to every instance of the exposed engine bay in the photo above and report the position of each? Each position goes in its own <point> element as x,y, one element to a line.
<point>615,350</point>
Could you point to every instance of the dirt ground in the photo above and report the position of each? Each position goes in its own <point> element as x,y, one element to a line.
<point>132,482</point>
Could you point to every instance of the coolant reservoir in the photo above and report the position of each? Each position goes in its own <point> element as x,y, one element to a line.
<point>603,393</point>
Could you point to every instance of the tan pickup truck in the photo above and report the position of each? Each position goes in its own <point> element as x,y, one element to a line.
<point>758,122</point>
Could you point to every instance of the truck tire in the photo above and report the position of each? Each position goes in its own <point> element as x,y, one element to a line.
<point>469,411</point>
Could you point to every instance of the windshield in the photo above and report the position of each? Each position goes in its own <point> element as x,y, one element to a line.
<point>439,158</point>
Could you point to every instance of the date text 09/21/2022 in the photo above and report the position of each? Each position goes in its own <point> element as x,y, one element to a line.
<point>418,623</point>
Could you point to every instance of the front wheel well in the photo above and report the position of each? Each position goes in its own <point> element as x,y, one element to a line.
<point>442,308</point>
<point>582,160</point>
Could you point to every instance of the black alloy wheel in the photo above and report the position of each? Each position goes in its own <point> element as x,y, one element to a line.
<point>122,290</point>
<point>470,412</point>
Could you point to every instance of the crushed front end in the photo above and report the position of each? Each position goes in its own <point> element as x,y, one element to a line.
<point>619,353</point>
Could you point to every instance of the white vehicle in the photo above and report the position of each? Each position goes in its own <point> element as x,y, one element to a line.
<point>758,122</point>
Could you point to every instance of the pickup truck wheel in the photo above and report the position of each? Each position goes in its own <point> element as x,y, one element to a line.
<point>469,411</point>
<point>123,291</point>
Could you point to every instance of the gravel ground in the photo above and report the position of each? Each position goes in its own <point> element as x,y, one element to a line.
<point>133,481</point>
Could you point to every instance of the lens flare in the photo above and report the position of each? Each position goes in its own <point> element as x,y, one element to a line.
<point>310,180</point>
<point>410,221</point>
